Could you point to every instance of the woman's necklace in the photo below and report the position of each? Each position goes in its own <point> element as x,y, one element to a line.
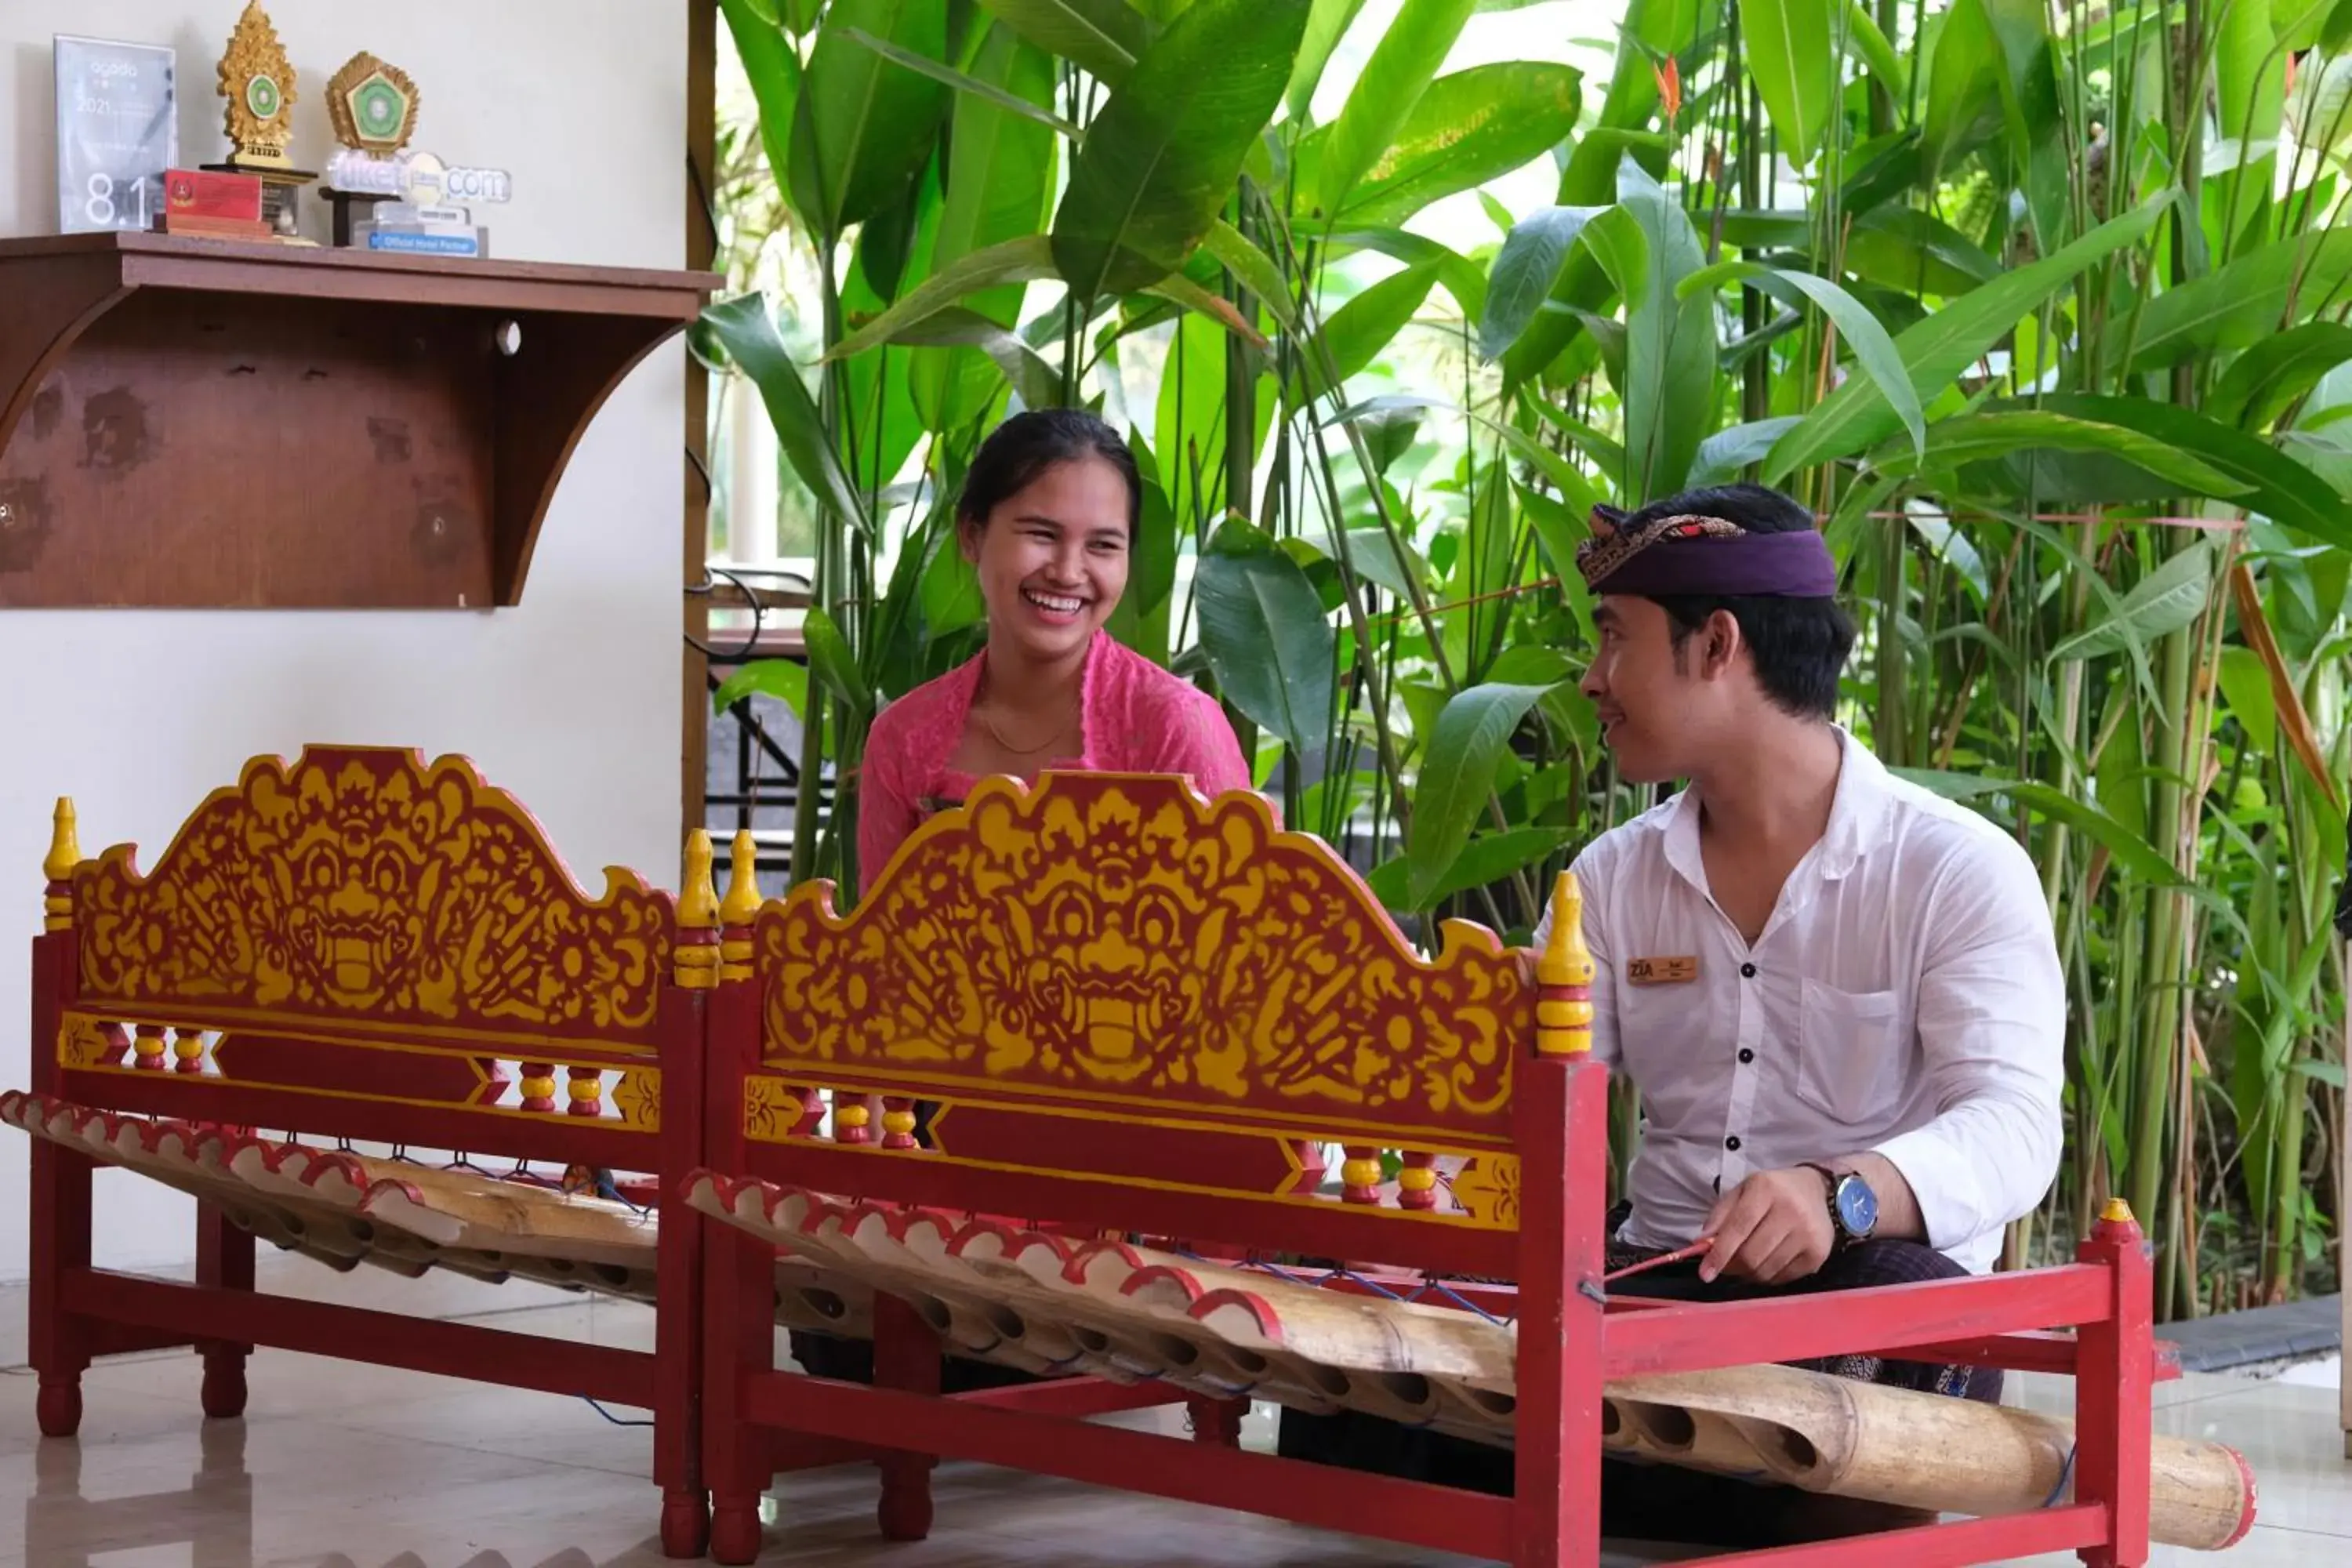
<point>996,734</point>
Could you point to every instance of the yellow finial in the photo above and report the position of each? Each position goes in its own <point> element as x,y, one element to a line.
<point>2115,1212</point>
<point>742,902</point>
<point>696,966</point>
<point>65,849</point>
<point>740,908</point>
<point>1564,977</point>
<point>698,901</point>
<point>64,854</point>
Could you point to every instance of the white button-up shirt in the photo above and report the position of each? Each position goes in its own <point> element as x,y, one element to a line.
<point>1904,998</point>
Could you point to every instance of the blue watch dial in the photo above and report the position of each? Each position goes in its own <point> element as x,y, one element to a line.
<point>1857,1206</point>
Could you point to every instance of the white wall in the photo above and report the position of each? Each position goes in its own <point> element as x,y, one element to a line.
<point>569,700</point>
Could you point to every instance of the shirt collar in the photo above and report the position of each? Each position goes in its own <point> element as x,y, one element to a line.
<point>1859,813</point>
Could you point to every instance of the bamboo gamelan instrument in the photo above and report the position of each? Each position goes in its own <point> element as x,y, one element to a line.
<point>1045,1303</point>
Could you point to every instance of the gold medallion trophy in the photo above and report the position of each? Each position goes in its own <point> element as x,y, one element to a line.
<point>373,107</point>
<point>257,80</point>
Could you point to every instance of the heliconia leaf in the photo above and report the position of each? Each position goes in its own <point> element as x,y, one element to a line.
<point>1787,50</point>
<point>948,76</point>
<point>2236,306</point>
<point>2131,852</point>
<point>2268,480</point>
<point>744,328</point>
<point>1102,38</point>
<point>1263,626</point>
<point>1979,437</point>
<point>1025,259</point>
<point>864,126</point>
<point>1356,334</point>
<point>2303,738</point>
<point>1324,28</point>
<point>2268,378</point>
<point>1457,775</point>
<point>1524,272</point>
<point>782,679</point>
<point>1254,268</point>
<point>775,73</point>
<point>1161,159</point>
<point>1402,65</point>
<point>1486,858</point>
<point>1873,349</point>
<point>1936,349</point>
<point>1470,127</point>
<point>1648,247</point>
<point>2168,599</point>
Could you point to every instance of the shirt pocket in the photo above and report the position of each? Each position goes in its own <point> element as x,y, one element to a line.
<point>1847,1054</point>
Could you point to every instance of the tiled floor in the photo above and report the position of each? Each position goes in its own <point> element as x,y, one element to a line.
<point>355,1466</point>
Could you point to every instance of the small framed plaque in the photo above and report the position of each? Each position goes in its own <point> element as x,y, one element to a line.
<point>118,130</point>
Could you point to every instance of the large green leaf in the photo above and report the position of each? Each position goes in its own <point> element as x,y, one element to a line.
<point>2168,599</point>
<point>744,328</point>
<point>1486,859</point>
<point>970,85</point>
<point>773,70</point>
<point>1023,367</point>
<point>1470,127</point>
<point>2262,383</point>
<point>1457,775</point>
<point>1977,437</point>
<point>2275,485</point>
<point>1161,159</point>
<point>2252,298</point>
<point>1391,82</point>
<point>1254,268</point>
<point>1525,271</point>
<point>1938,350</point>
<point>1104,37</point>
<point>1324,28</point>
<point>831,661</point>
<point>1649,247</point>
<point>1964,100</point>
<point>2028,86</point>
<point>1188,431</point>
<point>1583,287</point>
<point>1457,273</point>
<point>1722,454</point>
<point>1358,331</point>
<point>1263,626</point>
<point>1000,175</point>
<point>865,126</point>
<point>1873,349</point>
<point>1022,260</point>
<point>785,680</point>
<point>1791,51</point>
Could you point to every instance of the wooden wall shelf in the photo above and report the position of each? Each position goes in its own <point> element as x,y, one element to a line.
<point>190,422</point>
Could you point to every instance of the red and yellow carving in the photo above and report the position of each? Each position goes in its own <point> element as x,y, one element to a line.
<point>1487,1188</point>
<point>1115,938</point>
<point>362,881</point>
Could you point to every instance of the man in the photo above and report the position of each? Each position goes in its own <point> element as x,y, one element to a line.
<point>1838,994</point>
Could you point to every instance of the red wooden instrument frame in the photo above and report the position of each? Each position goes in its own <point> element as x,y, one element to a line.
<point>1573,1337</point>
<point>78,1311</point>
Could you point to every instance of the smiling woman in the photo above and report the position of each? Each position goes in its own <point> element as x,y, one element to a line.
<point>1047,518</point>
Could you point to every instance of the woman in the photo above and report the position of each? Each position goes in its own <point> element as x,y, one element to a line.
<point>1047,519</point>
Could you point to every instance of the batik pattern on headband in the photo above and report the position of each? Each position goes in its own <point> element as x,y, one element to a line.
<point>1603,553</point>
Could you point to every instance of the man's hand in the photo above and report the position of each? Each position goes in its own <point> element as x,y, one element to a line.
<point>1772,1229</point>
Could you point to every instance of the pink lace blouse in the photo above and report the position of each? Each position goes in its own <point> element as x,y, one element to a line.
<point>1134,716</point>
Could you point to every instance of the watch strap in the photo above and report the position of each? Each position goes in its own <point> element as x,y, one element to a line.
<point>1837,1220</point>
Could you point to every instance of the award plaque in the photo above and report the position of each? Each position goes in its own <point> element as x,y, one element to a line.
<point>116,132</point>
<point>257,80</point>
<point>389,195</point>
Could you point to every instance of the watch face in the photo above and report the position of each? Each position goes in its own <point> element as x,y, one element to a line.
<point>1857,1206</point>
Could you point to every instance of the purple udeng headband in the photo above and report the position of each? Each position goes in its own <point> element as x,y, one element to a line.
<point>1706,555</point>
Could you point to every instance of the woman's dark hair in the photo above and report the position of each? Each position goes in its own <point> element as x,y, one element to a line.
<point>1017,451</point>
<point>1798,645</point>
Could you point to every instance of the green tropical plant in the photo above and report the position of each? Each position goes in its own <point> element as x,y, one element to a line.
<point>2040,306</point>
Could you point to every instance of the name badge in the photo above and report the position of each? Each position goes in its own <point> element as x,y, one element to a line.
<point>1660,971</point>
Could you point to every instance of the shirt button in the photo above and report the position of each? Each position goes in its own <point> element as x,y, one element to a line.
<point>1732,1143</point>
<point>1745,1054</point>
<point>1746,971</point>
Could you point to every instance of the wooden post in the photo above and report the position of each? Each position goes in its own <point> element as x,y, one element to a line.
<point>59,1340</point>
<point>1560,1123</point>
<point>2114,1367</point>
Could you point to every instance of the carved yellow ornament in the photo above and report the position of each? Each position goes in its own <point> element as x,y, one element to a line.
<point>1488,1191</point>
<point>1116,938</point>
<point>362,883</point>
<point>64,854</point>
<point>637,1098</point>
<point>1564,977</point>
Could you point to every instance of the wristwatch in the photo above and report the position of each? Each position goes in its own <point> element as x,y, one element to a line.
<point>1853,1206</point>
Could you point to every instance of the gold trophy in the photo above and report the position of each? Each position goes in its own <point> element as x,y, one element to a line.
<point>257,80</point>
<point>373,107</point>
